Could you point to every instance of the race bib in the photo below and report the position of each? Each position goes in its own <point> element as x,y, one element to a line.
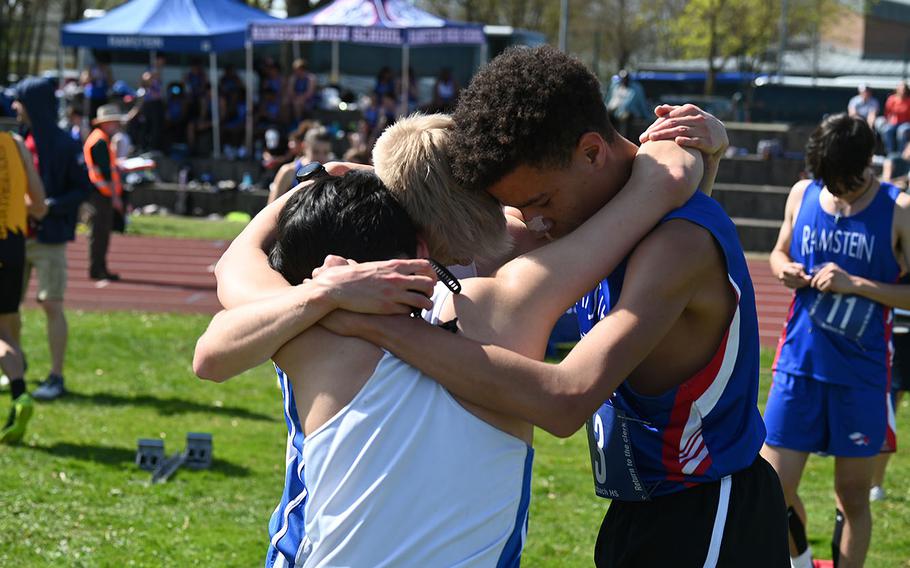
<point>842,314</point>
<point>612,462</point>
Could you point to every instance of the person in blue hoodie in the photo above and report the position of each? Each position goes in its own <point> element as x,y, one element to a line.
<point>59,160</point>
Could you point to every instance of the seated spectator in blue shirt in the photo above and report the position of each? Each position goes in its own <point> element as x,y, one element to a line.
<point>864,105</point>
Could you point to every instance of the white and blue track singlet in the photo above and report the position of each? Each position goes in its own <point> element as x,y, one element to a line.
<point>700,431</point>
<point>837,338</point>
<point>403,475</point>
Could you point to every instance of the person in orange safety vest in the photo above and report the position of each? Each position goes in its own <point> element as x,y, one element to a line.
<point>101,159</point>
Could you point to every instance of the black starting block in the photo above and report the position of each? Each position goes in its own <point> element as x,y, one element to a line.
<point>196,455</point>
<point>198,450</point>
<point>149,453</point>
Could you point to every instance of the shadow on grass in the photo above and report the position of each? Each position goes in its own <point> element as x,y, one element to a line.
<point>164,406</point>
<point>111,456</point>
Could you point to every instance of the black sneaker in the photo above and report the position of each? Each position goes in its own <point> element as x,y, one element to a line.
<point>50,389</point>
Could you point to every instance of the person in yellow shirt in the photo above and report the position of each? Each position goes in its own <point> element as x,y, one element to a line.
<point>21,197</point>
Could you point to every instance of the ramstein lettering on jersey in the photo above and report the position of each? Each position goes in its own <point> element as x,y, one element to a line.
<point>850,243</point>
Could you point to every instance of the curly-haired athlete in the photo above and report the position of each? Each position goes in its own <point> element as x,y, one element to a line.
<point>843,243</point>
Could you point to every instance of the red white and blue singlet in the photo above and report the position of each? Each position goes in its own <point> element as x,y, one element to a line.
<point>700,431</point>
<point>836,338</point>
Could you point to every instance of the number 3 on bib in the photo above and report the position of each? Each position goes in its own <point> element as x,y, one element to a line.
<point>598,460</point>
<point>612,459</point>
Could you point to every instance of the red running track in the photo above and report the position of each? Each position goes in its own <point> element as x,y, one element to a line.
<point>157,275</point>
<point>175,275</point>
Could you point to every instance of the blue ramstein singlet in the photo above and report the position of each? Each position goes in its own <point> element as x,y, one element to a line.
<point>706,428</point>
<point>837,338</point>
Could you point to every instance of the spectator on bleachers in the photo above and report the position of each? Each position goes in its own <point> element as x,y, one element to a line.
<point>412,89</point>
<point>300,95</point>
<point>269,112</point>
<point>230,83</point>
<point>896,168</point>
<point>316,146</point>
<point>195,79</point>
<point>626,100</point>
<point>272,79</point>
<point>74,123</point>
<point>96,81</point>
<point>177,113</point>
<point>200,123</point>
<point>864,105</point>
<point>895,129</point>
<point>445,91</point>
<point>153,110</point>
<point>233,123</point>
<point>385,83</point>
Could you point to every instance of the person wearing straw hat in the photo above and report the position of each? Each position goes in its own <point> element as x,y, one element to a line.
<point>101,159</point>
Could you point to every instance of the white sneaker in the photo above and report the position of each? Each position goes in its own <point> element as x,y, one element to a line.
<point>877,493</point>
<point>4,381</point>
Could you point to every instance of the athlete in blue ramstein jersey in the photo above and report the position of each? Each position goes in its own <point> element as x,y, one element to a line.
<point>837,338</point>
<point>702,430</point>
<point>838,249</point>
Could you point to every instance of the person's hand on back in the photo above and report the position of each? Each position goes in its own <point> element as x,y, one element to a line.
<point>382,287</point>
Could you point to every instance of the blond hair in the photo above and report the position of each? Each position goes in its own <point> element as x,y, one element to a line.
<point>411,159</point>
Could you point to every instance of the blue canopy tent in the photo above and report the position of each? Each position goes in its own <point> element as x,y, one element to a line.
<point>184,26</point>
<point>390,23</point>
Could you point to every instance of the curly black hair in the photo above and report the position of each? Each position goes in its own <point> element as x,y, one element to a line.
<point>528,106</point>
<point>839,150</point>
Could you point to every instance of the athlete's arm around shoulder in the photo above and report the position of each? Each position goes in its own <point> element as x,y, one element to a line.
<point>245,336</point>
<point>791,274</point>
<point>559,398</point>
<point>37,208</point>
<point>243,273</point>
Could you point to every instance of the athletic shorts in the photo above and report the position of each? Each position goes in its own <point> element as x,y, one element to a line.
<point>737,522</point>
<point>900,367</point>
<point>807,415</point>
<point>12,265</point>
<point>49,261</point>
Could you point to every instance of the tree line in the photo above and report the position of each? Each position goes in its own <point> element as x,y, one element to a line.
<point>607,34</point>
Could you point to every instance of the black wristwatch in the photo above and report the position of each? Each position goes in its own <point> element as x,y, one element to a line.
<point>311,171</point>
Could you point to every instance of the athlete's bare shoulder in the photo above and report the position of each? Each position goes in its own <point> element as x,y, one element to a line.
<point>684,249</point>
<point>795,199</point>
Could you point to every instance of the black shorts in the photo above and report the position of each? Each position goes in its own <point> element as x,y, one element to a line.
<point>900,366</point>
<point>12,265</point>
<point>685,530</point>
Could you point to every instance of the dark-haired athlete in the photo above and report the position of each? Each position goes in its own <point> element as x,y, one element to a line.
<point>678,350</point>
<point>842,245</point>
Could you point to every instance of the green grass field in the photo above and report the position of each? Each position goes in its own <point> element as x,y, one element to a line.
<point>174,226</point>
<point>71,496</point>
